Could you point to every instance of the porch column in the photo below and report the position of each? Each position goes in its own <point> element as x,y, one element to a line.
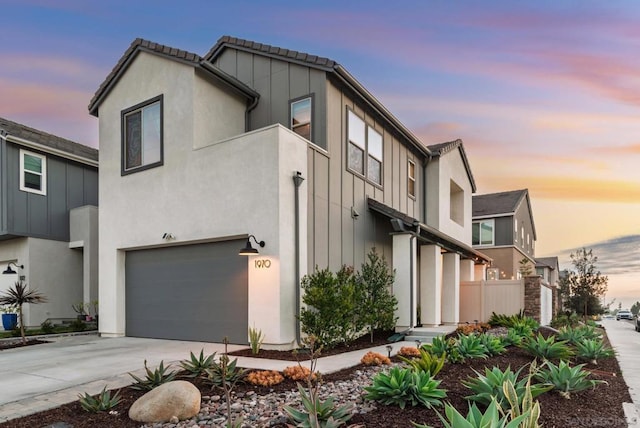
<point>451,288</point>
<point>467,270</point>
<point>480,272</point>
<point>431,285</point>
<point>404,289</point>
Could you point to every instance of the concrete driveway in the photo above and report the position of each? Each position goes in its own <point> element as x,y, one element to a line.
<point>39,377</point>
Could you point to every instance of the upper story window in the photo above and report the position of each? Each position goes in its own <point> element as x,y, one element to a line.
<point>33,172</point>
<point>515,230</point>
<point>142,145</point>
<point>301,111</point>
<point>483,232</point>
<point>411,178</point>
<point>456,203</point>
<point>364,143</point>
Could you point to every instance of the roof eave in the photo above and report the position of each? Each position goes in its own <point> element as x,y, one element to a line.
<point>51,150</point>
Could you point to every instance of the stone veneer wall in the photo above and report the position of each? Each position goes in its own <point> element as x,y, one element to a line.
<point>532,301</point>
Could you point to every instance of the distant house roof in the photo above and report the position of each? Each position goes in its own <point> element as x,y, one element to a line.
<point>550,262</point>
<point>440,149</point>
<point>34,138</point>
<point>141,45</point>
<point>501,204</point>
<point>322,63</point>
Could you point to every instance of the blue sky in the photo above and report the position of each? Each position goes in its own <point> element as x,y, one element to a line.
<point>545,95</point>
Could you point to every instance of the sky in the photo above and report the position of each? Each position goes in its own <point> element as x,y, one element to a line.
<point>545,95</point>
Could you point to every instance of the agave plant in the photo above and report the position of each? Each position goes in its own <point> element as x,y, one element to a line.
<point>153,378</point>
<point>547,349</point>
<point>492,344</point>
<point>402,386</point>
<point>491,418</point>
<point>318,413</point>
<point>566,379</point>
<point>471,346</point>
<point>17,296</point>
<point>592,350</point>
<point>196,366</point>
<point>101,402</point>
<point>427,362</point>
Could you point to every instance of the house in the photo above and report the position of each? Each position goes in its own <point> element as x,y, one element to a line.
<point>48,218</point>
<point>285,152</point>
<point>503,229</point>
<point>549,269</point>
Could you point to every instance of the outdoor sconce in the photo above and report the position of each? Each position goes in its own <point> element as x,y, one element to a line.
<point>248,250</point>
<point>9,271</point>
<point>389,349</point>
<point>418,343</point>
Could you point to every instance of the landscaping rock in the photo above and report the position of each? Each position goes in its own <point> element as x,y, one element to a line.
<point>179,399</point>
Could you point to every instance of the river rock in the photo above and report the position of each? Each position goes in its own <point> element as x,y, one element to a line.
<point>178,399</point>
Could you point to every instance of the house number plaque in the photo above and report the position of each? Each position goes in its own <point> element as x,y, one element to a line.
<point>263,264</point>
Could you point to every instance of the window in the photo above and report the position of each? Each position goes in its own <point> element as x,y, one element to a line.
<point>301,117</point>
<point>142,145</point>
<point>411,179</point>
<point>456,203</point>
<point>33,172</point>
<point>482,232</point>
<point>515,230</point>
<point>364,141</point>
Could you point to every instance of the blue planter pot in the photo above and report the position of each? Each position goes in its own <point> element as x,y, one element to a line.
<point>9,321</point>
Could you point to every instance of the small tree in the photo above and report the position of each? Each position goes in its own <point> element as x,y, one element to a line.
<point>586,284</point>
<point>18,295</point>
<point>377,305</point>
<point>635,308</point>
<point>525,268</point>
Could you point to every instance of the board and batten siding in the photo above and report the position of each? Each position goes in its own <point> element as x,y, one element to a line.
<point>3,187</point>
<point>69,185</point>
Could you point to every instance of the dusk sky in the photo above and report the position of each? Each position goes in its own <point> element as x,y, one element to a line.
<point>545,94</point>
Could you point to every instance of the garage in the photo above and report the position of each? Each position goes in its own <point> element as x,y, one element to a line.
<point>192,292</point>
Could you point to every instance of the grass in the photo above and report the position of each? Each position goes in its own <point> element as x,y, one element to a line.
<point>38,332</point>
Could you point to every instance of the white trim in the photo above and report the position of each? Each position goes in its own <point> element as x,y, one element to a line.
<point>493,233</point>
<point>51,150</point>
<point>482,217</point>
<point>43,173</point>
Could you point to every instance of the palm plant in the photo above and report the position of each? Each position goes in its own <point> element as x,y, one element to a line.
<point>17,296</point>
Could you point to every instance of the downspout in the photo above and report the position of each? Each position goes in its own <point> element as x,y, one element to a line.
<point>297,181</point>
<point>247,117</point>
<point>414,234</point>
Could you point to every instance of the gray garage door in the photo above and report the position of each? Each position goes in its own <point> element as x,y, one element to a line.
<point>192,292</point>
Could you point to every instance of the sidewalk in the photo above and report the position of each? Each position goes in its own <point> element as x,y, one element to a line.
<point>47,376</point>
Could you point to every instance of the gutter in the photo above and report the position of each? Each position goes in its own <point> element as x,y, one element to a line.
<point>297,182</point>
<point>51,150</point>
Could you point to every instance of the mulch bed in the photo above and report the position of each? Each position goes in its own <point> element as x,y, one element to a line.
<point>599,407</point>
<point>18,343</point>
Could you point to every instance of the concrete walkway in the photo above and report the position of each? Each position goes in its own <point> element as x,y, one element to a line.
<point>37,378</point>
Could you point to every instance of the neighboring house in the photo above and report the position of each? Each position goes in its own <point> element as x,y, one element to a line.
<point>200,153</point>
<point>549,269</point>
<point>48,218</point>
<point>503,229</point>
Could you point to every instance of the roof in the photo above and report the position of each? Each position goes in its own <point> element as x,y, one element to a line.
<point>321,63</point>
<point>497,203</point>
<point>441,149</point>
<point>22,134</point>
<point>189,58</point>
<point>550,262</point>
<point>430,234</point>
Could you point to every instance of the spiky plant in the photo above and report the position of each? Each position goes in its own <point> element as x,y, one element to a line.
<point>592,350</point>
<point>17,296</point>
<point>547,349</point>
<point>566,379</point>
<point>197,366</point>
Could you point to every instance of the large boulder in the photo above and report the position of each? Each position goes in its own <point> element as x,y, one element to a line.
<point>178,398</point>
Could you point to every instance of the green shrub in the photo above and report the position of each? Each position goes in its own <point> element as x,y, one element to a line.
<point>328,416</point>
<point>492,344</point>
<point>501,320</point>
<point>570,334</point>
<point>546,349</point>
<point>78,325</point>
<point>566,379</point>
<point>197,366</point>
<point>426,362</point>
<point>565,320</point>
<point>489,386</point>
<point>101,402</point>
<point>255,340</point>
<point>402,386</point>
<point>153,378</point>
<point>513,338</point>
<point>47,327</point>
<point>470,346</point>
<point>592,350</point>
<point>441,346</point>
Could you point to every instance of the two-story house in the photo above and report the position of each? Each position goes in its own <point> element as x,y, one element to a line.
<point>284,152</point>
<point>48,219</point>
<point>503,229</point>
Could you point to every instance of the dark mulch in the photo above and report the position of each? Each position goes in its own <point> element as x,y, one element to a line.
<point>18,343</point>
<point>600,407</point>
<point>379,338</point>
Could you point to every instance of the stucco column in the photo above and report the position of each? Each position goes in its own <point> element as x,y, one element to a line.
<point>451,288</point>
<point>404,289</point>
<point>430,285</point>
<point>467,270</point>
<point>480,272</point>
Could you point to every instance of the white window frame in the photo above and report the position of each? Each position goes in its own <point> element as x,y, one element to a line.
<point>42,174</point>
<point>515,230</point>
<point>493,233</point>
<point>364,147</point>
<point>411,178</point>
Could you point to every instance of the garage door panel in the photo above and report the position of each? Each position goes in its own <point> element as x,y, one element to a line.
<point>194,292</point>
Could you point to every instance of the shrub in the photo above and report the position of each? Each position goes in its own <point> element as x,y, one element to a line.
<point>489,386</point>
<point>566,379</point>
<point>513,338</point>
<point>426,363</point>
<point>592,350</point>
<point>255,340</point>
<point>440,346</point>
<point>197,366</point>
<point>153,378</point>
<point>298,373</point>
<point>402,386</point>
<point>265,377</point>
<point>492,344</point>
<point>471,347</point>
<point>575,335</point>
<point>101,402</point>
<point>47,327</point>
<point>519,319</point>
<point>546,349</point>
<point>565,320</point>
<point>374,359</point>
<point>408,352</point>
<point>78,325</point>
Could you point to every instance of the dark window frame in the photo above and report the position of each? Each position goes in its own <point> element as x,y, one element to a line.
<point>365,159</point>
<point>123,145</point>
<point>292,101</point>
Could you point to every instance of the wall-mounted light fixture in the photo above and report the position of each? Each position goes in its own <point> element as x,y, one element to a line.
<point>248,250</point>
<point>168,236</point>
<point>9,271</point>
